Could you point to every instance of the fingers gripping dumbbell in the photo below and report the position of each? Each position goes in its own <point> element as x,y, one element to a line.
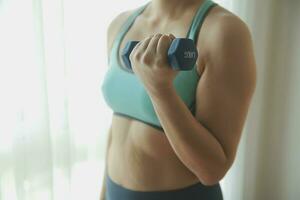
<point>182,54</point>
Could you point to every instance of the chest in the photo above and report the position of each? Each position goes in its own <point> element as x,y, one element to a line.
<point>125,94</point>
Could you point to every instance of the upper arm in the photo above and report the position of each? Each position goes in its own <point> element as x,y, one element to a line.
<point>113,28</point>
<point>227,84</point>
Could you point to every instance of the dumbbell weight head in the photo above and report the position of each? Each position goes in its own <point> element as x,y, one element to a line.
<point>182,54</point>
<point>126,52</point>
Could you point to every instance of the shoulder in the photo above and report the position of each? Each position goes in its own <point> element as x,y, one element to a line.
<point>115,25</point>
<point>228,52</point>
<point>228,33</point>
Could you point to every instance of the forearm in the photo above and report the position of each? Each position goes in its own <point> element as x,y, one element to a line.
<point>195,146</point>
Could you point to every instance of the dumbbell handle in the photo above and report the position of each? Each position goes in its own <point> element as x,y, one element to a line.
<point>182,54</point>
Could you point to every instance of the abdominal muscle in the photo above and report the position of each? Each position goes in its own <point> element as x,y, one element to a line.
<point>140,157</point>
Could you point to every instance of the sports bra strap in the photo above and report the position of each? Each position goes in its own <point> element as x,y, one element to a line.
<point>199,18</point>
<point>125,27</point>
<point>193,29</point>
<point>192,32</point>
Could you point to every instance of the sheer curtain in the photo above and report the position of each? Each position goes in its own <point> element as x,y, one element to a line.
<point>268,160</point>
<point>54,122</point>
<point>53,119</point>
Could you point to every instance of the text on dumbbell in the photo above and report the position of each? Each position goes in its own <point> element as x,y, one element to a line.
<point>189,54</point>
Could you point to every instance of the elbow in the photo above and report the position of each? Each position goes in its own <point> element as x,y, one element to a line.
<point>212,177</point>
<point>210,180</point>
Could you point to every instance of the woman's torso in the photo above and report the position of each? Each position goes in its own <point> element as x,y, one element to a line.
<point>140,157</point>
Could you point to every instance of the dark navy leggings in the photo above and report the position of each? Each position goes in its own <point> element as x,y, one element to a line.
<point>195,191</point>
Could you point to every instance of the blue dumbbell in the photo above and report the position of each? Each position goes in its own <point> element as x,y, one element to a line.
<point>182,54</point>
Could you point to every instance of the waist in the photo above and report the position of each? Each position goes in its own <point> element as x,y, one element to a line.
<point>142,158</point>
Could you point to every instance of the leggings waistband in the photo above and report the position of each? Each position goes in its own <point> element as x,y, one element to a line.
<point>197,191</point>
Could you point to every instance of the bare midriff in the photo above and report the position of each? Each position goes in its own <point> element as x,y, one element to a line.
<point>140,157</point>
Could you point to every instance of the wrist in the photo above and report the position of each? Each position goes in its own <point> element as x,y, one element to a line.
<point>162,92</point>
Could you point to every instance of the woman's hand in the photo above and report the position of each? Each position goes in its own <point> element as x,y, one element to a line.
<point>149,62</point>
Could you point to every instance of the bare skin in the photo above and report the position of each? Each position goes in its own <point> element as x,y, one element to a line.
<point>140,157</point>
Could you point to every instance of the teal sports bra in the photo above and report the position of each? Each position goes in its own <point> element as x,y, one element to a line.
<point>125,94</point>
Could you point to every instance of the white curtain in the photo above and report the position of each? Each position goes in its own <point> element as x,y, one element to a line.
<point>54,122</point>
<point>268,160</point>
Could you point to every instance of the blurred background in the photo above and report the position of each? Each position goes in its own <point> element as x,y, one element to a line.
<point>54,121</point>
